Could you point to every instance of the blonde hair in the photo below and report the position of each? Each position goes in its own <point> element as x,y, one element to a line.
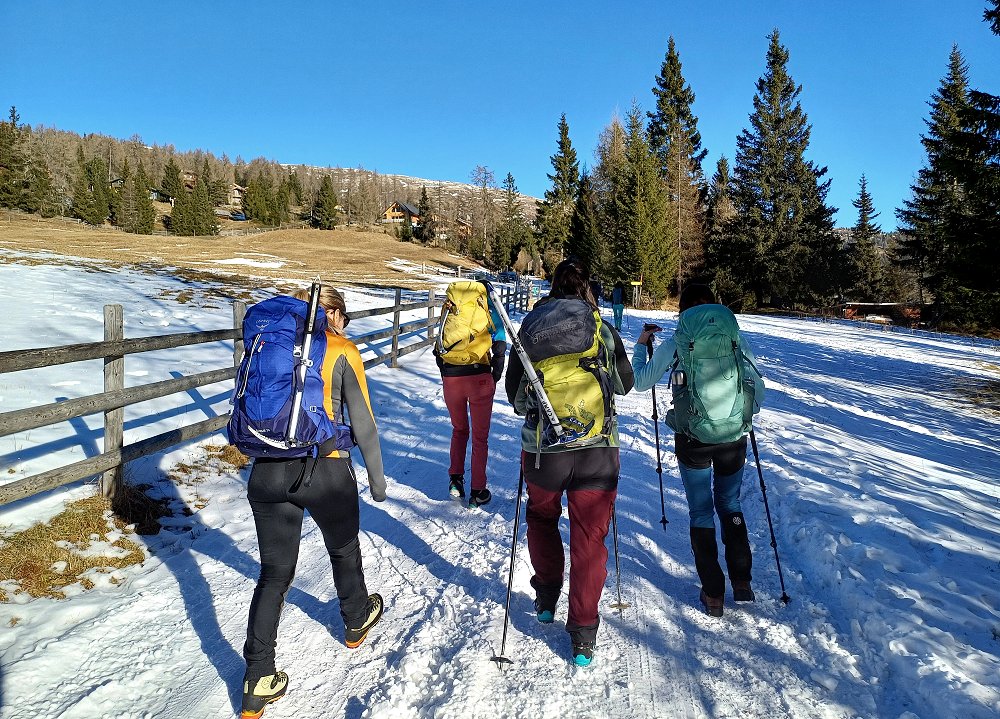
<point>329,299</point>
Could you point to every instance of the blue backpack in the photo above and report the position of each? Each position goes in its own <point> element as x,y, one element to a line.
<point>278,403</point>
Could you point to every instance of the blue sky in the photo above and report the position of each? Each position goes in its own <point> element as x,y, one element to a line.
<point>434,89</point>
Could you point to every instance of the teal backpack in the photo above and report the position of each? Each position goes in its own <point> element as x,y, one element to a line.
<point>714,383</point>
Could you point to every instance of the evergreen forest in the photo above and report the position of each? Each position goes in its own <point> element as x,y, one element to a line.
<point>757,227</point>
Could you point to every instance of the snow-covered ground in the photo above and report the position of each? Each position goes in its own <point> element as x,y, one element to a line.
<point>882,480</point>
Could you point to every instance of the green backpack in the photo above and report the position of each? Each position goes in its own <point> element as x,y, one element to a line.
<point>715,402</point>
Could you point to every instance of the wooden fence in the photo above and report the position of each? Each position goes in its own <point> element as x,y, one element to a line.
<point>406,337</point>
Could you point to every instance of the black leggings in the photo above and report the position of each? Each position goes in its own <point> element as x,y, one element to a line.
<point>279,492</point>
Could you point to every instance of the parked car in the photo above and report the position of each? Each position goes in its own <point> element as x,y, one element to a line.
<point>238,216</point>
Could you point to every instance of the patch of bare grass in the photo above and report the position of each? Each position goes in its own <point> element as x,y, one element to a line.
<point>46,558</point>
<point>229,454</point>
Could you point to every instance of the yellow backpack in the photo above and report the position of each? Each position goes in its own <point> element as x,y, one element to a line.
<point>466,333</point>
<point>563,340</point>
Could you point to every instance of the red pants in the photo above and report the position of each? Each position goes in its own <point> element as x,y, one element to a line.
<point>464,396</point>
<point>589,517</point>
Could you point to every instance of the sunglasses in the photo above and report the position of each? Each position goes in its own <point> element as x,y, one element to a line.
<point>347,317</point>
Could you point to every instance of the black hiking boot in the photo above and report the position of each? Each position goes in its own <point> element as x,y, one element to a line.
<point>456,486</point>
<point>545,615</point>
<point>742,591</point>
<point>479,497</point>
<point>264,691</point>
<point>713,605</point>
<point>583,653</point>
<point>373,612</point>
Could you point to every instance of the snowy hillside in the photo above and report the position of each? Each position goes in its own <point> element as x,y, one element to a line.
<point>881,465</point>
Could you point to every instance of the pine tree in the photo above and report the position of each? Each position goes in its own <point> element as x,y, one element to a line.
<point>172,184</point>
<point>585,241</point>
<point>926,219</point>
<point>39,193</point>
<point>324,214</point>
<point>780,246</point>
<point>257,199</point>
<point>868,274</point>
<point>182,215</point>
<point>556,209</point>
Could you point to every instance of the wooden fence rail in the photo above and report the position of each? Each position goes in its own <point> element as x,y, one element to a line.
<point>115,397</point>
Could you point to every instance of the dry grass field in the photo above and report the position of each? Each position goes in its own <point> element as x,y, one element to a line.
<point>342,257</point>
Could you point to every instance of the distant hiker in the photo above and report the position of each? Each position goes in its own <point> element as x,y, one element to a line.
<point>596,290</point>
<point>618,303</point>
<point>470,354</point>
<point>281,489</point>
<point>581,370</point>
<point>716,390</point>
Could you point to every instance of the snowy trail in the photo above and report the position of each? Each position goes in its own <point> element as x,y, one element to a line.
<point>881,480</point>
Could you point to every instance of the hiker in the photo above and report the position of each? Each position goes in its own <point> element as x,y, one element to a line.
<point>618,303</point>
<point>587,468</point>
<point>711,448</point>
<point>280,490</point>
<point>470,355</point>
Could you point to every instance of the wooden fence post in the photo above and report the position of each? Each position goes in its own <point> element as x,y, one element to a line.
<point>430,313</point>
<point>393,358</point>
<point>239,312</point>
<point>114,379</point>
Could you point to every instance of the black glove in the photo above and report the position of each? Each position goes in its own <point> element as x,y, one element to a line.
<point>499,354</point>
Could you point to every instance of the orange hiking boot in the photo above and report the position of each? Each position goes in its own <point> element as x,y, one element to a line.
<point>373,612</point>
<point>264,691</point>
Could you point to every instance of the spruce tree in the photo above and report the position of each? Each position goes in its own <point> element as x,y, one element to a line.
<point>780,246</point>
<point>90,189</point>
<point>513,235</point>
<point>674,137</point>
<point>40,193</point>
<point>647,218</point>
<point>927,218</point>
<point>720,215</point>
<point>146,212</point>
<point>204,214</point>
<point>324,214</point>
<point>172,183</point>
<point>12,161</point>
<point>585,241</point>
<point>556,209</point>
<point>868,274</point>
<point>182,215</point>
<point>427,222</point>
<point>992,16</point>
<point>611,186</point>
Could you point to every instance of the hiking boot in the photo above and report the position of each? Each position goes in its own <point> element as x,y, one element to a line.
<point>264,691</point>
<point>546,615</point>
<point>583,653</point>
<point>742,591</point>
<point>479,497</point>
<point>713,605</point>
<point>456,486</point>
<point>373,612</point>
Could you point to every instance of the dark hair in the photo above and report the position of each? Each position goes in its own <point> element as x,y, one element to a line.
<point>571,279</point>
<point>694,295</point>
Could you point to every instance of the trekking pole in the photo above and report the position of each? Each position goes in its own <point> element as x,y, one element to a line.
<point>304,362</point>
<point>620,606</point>
<point>529,369</point>
<point>656,429</point>
<point>774,542</point>
<point>499,658</point>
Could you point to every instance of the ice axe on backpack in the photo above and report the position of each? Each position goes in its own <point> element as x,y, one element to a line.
<point>656,430</point>
<point>302,354</point>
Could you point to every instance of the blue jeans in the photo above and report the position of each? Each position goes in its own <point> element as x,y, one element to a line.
<point>703,497</point>
<point>618,311</point>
